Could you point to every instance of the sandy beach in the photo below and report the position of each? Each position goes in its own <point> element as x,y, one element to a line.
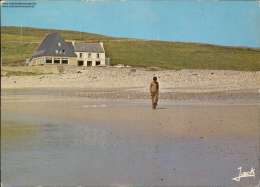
<point>133,83</point>
<point>206,126</point>
<point>139,78</point>
<point>127,143</point>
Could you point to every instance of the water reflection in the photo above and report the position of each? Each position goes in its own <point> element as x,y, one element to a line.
<point>15,133</point>
<point>69,153</point>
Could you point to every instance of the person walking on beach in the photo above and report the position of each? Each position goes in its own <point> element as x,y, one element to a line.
<point>154,91</point>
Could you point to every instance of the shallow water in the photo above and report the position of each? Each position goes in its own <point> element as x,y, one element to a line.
<point>39,150</point>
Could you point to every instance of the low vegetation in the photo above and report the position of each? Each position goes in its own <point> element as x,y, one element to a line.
<point>19,44</point>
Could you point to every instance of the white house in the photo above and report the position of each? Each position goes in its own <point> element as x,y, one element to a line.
<point>55,50</point>
<point>90,54</point>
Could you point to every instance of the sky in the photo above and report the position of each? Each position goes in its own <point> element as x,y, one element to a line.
<point>221,22</point>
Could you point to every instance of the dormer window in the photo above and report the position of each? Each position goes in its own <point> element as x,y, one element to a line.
<point>80,55</point>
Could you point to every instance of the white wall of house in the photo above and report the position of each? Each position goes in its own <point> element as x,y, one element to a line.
<point>88,60</point>
<point>56,60</point>
<point>53,60</point>
<point>91,59</point>
<point>37,61</point>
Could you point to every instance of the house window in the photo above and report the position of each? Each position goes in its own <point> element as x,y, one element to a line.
<point>48,61</point>
<point>97,55</point>
<point>89,63</point>
<point>80,63</point>
<point>65,61</point>
<point>89,55</point>
<point>56,61</point>
<point>97,63</point>
<point>80,55</point>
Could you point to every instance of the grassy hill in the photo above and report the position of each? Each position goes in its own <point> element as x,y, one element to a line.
<point>19,44</point>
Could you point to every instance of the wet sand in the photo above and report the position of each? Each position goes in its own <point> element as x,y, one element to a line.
<point>195,141</point>
<point>184,119</point>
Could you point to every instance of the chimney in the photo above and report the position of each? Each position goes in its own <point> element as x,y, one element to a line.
<point>101,43</point>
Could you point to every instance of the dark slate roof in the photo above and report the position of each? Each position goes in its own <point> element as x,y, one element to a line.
<point>88,47</point>
<point>54,45</point>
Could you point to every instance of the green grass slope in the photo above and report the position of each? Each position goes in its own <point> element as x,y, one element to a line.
<point>19,44</point>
